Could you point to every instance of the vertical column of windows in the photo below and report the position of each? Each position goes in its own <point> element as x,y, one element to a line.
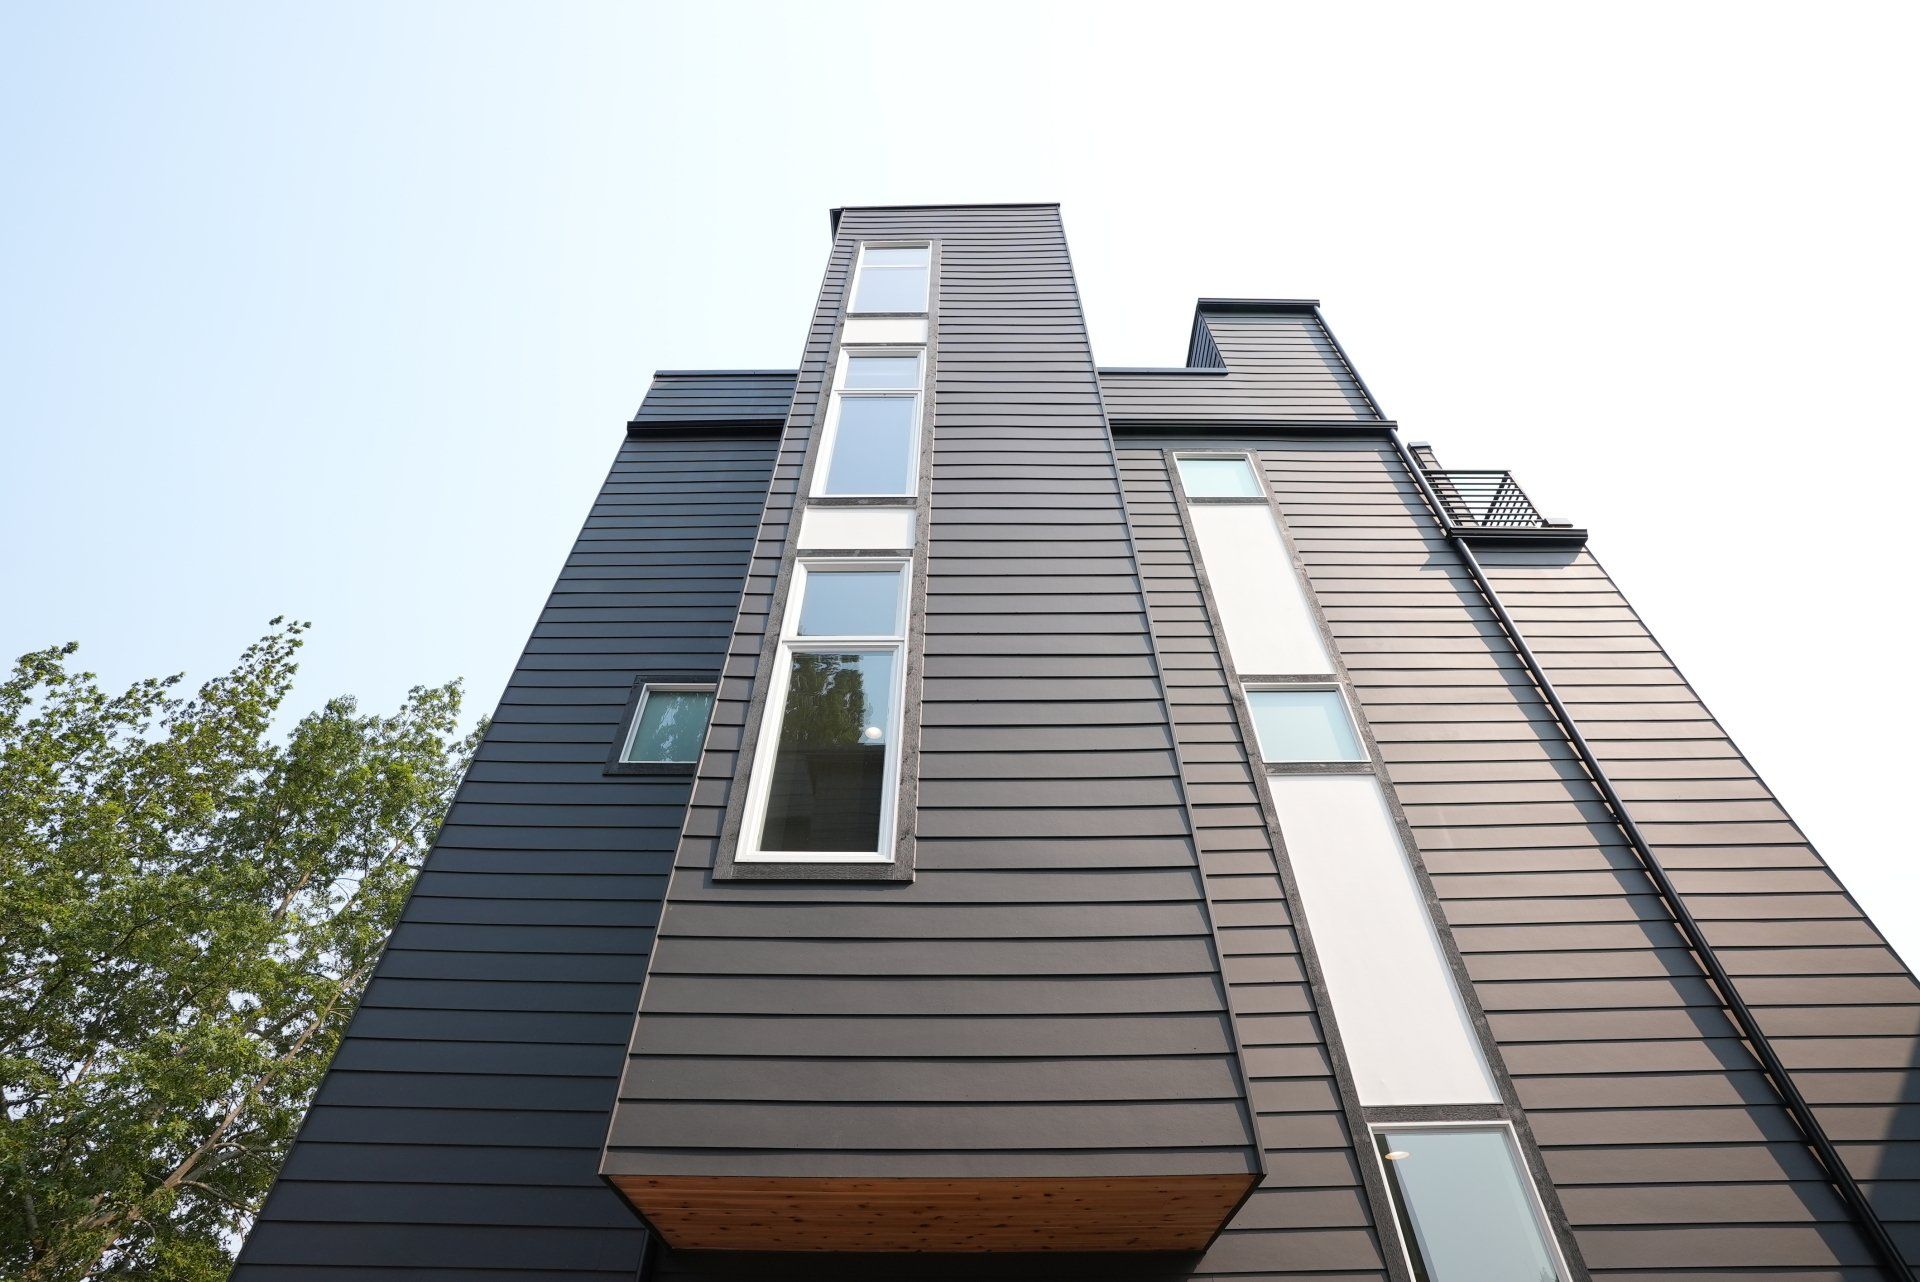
<point>1467,1211</point>
<point>824,782</point>
<point>1406,1030</point>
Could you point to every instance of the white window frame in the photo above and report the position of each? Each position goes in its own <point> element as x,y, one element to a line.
<point>1403,1218</point>
<point>895,350</point>
<point>760,780</point>
<point>1221,456</point>
<point>647,690</point>
<point>823,466</point>
<point>860,265</point>
<point>1346,703</point>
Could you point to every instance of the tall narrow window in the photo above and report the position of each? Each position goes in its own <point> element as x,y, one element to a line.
<point>872,447</point>
<point>829,757</point>
<point>891,279</point>
<point>1468,1212</point>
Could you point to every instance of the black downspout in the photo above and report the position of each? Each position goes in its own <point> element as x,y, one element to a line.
<point>1783,1084</point>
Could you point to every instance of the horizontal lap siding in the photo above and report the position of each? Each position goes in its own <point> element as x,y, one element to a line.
<point>459,1128</point>
<point>1838,1005</point>
<point>1310,1214</point>
<point>1043,998</point>
<point>1280,365</point>
<point>719,396</point>
<point>1668,1152</point>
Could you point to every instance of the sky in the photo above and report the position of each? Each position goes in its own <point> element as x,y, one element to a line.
<point>338,311</point>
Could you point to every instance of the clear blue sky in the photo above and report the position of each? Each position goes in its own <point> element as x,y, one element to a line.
<point>337,309</point>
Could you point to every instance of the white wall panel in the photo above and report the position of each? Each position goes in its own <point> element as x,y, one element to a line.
<point>883,329</point>
<point>1270,628</point>
<point>851,529</point>
<point>1406,1030</point>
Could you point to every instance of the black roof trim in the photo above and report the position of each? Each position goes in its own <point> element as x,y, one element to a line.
<point>1216,370</point>
<point>733,425</point>
<point>1257,305</point>
<point>1146,425</point>
<point>833,215</point>
<point>726,373</point>
<point>1545,536</point>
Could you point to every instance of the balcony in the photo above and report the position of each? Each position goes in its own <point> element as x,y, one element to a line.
<point>1490,507</point>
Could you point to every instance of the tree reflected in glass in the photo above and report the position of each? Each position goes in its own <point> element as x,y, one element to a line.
<point>830,763</point>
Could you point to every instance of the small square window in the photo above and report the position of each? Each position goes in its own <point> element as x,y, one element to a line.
<point>1467,1209</point>
<point>669,726</point>
<point>881,370</point>
<point>1303,725</point>
<point>1219,478</point>
<point>850,603</point>
<point>892,280</point>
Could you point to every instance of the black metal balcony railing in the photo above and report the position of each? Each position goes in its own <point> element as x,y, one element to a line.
<point>1486,500</point>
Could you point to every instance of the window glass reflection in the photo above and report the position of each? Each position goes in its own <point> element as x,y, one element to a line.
<point>873,446</point>
<point>1218,478</point>
<point>1465,1206</point>
<point>850,603</point>
<point>830,764</point>
<point>671,726</point>
<point>892,280</point>
<point>1303,725</point>
<point>866,372</point>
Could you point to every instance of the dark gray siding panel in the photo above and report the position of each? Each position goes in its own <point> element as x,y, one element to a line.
<point>458,1132</point>
<point>1078,1024</point>
<point>1280,365</point>
<point>716,396</point>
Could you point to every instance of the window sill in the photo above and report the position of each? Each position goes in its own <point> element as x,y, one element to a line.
<point>684,768</point>
<point>730,869</point>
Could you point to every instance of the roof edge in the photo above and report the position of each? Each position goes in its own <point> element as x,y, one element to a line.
<point>726,373</point>
<point>1256,305</point>
<point>833,215</point>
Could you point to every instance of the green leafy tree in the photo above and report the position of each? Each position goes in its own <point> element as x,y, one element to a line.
<point>189,907</point>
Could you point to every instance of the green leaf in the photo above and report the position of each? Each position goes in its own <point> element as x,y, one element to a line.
<point>189,908</point>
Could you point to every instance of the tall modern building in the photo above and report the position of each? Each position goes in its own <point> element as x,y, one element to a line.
<point>965,813</point>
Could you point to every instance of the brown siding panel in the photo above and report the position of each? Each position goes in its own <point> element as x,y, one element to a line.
<point>1630,1070</point>
<point>1039,665</point>
<point>1279,364</point>
<point>1094,976</point>
<point>1313,1188</point>
<point>1748,873</point>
